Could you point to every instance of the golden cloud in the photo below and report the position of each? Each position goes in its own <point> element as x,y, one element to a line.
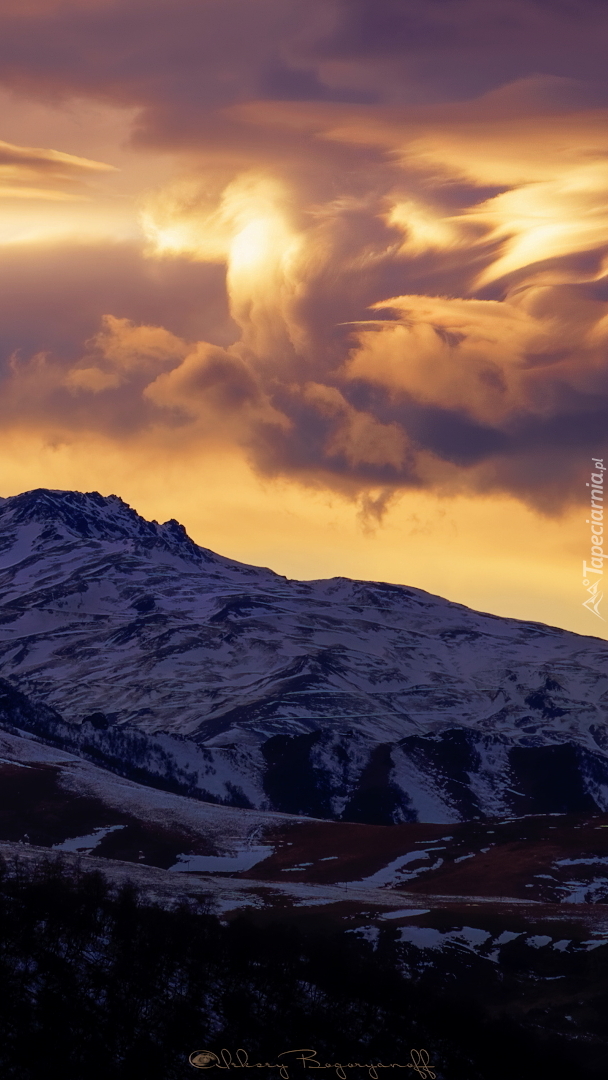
<point>434,317</point>
<point>35,173</point>
<point>495,361</point>
<point>357,437</point>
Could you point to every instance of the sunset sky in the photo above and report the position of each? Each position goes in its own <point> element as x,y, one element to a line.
<point>326,280</point>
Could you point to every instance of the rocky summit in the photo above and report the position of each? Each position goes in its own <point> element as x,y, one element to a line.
<point>127,643</point>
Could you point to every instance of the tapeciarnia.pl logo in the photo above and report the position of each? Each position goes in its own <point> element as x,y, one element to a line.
<point>593,584</point>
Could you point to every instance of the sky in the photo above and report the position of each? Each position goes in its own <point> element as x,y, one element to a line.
<point>325,280</point>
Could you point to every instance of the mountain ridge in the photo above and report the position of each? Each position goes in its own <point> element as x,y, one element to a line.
<point>365,701</point>
<point>91,516</point>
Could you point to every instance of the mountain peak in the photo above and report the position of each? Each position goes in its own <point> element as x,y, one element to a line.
<point>91,516</point>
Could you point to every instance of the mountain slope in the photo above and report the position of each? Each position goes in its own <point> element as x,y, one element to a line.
<point>360,700</point>
<point>53,800</point>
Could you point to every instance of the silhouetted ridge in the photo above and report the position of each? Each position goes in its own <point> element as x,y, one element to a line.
<point>91,516</point>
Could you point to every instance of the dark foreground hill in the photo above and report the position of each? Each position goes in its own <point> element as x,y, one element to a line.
<point>100,982</point>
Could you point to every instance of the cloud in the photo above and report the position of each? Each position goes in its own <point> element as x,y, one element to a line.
<point>93,379</point>
<point>495,361</point>
<point>356,437</point>
<point>394,217</point>
<point>130,348</point>
<point>124,350</point>
<point>23,171</point>
<point>179,59</point>
<point>216,389</point>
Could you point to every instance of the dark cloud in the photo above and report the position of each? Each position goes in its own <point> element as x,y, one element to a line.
<point>180,56</point>
<point>465,47</point>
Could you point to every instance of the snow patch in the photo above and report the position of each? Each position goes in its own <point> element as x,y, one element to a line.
<point>88,843</point>
<point>223,864</point>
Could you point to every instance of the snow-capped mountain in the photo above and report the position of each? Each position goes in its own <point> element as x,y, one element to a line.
<point>357,700</point>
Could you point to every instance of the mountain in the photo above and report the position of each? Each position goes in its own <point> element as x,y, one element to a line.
<point>59,803</point>
<point>361,701</point>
